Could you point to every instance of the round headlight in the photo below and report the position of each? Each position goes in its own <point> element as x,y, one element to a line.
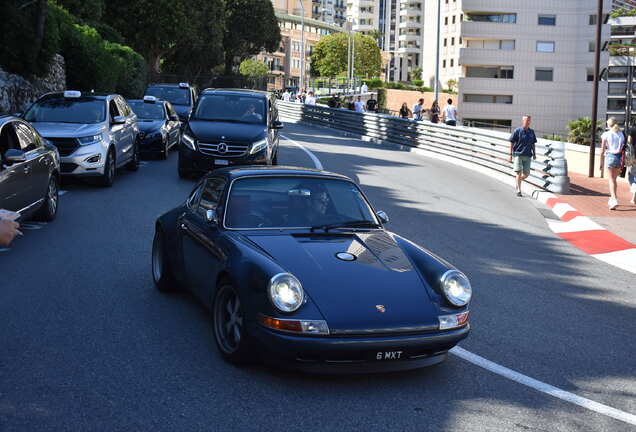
<point>286,292</point>
<point>456,287</point>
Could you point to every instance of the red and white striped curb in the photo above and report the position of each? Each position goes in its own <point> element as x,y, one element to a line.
<point>589,236</point>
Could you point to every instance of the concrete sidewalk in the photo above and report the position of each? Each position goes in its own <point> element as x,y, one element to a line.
<point>589,196</point>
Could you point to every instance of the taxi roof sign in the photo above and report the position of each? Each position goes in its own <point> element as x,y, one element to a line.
<point>184,85</point>
<point>72,94</point>
<point>150,99</point>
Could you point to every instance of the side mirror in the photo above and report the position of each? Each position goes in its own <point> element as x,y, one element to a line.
<point>384,218</point>
<point>13,156</point>
<point>277,124</point>
<point>119,120</point>
<point>210,216</point>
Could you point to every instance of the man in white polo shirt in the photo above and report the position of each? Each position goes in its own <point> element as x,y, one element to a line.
<point>450,113</point>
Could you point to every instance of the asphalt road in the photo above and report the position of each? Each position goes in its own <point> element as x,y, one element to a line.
<point>88,344</point>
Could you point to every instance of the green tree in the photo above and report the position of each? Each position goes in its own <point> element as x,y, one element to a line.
<point>329,58</point>
<point>156,26</point>
<point>250,27</point>
<point>451,85</point>
<point>198,51</point>
<point>580,130</point>
<point>85,10</point>
<point>253,68</point>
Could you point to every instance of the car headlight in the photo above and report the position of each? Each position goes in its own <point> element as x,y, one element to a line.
<point>456,288</point>
<point>188,141</point>
<point>286,292</point>
<point>258,146</point>
<point>90,139</point>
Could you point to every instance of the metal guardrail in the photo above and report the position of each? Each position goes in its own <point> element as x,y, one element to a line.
<point>489,149</point>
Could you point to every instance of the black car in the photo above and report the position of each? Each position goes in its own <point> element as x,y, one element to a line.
<point>182,96</point>
<point>230,127</point>
<point>159,126</point>
<point>29,171</point>
<point>298,269</point>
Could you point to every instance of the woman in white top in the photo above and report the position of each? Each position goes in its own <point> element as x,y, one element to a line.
<point>613,141</point>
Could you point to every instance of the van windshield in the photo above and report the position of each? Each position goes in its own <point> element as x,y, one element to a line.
<point>231,108</point>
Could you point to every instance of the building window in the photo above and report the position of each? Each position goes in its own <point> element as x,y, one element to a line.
<point>589,74</point>
<point>592,20</point>
<point>506,45</point>
<point>452,62</point>
<point>453,41</point>
<point>616,104</point>
<point>444,63</point>
<point>591,46</point>
<point>544,74</point>
<point>493,99</point>
<point>454,19</point>
<point>500,72</point>
<point>545,46</point>
<point>547,20</point>
<point>445,42</point>
<point>446,21</point>
<point>506,18</point>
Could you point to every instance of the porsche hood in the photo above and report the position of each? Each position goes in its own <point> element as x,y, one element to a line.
<point>362,283</point>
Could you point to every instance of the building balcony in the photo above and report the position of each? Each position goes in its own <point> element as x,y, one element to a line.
<point>410,24</point>
<point>477,56</point>
<point>363,27</point>
<point>411,12</point>
<point>484,30</point>
<point>409,50</point>
<point>410,37</point>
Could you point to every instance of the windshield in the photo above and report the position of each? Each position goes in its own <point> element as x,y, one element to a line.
<point>65,110</point>
<point>174,95</point>
<point>232,108</point>
<point>148,111</point>
<point>295,202</point>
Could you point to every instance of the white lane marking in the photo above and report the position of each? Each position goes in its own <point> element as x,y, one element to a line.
<point>32,225</point>
<point>516,376</point>
<point>143,163</point>
<point>624,259</point>
<point>312,156</point>
<point>543,387</point>
<point>578,224</point>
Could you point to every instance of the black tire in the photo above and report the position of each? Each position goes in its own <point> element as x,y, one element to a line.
<point>228,324</point>
<point>163,154</point>
<point>108,178</point>
<point>133,165</point>
<point>48,210</point>
<point>160,266</point>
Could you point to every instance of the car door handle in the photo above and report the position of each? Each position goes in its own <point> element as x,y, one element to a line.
<point>27,170</point>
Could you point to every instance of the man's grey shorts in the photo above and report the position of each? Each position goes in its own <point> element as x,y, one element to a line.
<point>521,163</point>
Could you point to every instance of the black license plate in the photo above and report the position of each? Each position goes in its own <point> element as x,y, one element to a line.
<point>388,355</point>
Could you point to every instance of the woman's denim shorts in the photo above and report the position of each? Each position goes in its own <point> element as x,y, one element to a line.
<point>613,160</point>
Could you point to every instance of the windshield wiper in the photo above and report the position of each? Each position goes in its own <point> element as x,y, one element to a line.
<point>348,224</point>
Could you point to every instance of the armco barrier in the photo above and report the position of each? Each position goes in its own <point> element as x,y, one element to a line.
<point>486,148</point>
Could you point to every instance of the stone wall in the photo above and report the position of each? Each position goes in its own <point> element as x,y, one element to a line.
<point>17,93</point>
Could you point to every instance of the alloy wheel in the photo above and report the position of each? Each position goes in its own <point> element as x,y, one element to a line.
<point>228,320</point>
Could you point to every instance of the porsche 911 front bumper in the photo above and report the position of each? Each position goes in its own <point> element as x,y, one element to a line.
<point>329,354</point>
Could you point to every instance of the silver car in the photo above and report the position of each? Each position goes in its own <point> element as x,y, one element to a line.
<point>94,134</point>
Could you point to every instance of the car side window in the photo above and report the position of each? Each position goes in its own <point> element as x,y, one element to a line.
<point>211,195</point>
<point>112,109</point>
<point>123,107</point>
<point>8,139</point>
<point>171,111</point>
<point>27,138</point>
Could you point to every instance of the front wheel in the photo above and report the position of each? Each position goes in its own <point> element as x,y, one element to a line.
<point>163,155</point>
<point>229,326</point>
<point>108,178</point>
<point>133,165</point>
<point>48,211</point>
<point>161,272</point>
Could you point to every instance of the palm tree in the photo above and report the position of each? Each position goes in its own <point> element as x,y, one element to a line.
<point>580,131</point>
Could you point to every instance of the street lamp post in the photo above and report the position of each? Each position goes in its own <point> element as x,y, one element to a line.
<point>597,71</point>
<point>439,24</point>
<point>302,47</point>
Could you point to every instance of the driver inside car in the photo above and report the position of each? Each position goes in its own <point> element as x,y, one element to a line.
<point>251,113</point>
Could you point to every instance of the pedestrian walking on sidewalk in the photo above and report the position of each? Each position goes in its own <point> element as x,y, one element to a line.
<point>630,162</point>
<point>450,113</point>
<point>405,112</point>
<point>359,105</point>
<point>310,99</point>
<point>613,142</point>
<point>522,149</point>
<point>418,110</point>
<point>434,112</point>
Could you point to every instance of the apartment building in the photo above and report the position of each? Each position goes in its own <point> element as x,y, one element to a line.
<point>285,64</point>
<point>513,57</point>
<point>622,70</point>
<point>364,15</point>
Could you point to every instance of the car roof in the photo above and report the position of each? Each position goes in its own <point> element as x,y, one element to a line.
<point>85,95</point>
<point>233,91</point>
<point>7,118</point>
<point>141,100</point>
<point>241,171</point>
<point>168,85</point>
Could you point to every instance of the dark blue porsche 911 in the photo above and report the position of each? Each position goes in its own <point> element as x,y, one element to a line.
<point>298,270</point>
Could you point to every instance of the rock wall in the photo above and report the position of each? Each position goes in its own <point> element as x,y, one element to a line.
<point>17,93</point>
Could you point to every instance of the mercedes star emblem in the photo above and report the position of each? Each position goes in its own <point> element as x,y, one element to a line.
<point>380,308</point>
<point>222,148</point>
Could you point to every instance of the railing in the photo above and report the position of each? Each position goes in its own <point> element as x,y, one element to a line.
<point>487,149</point>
